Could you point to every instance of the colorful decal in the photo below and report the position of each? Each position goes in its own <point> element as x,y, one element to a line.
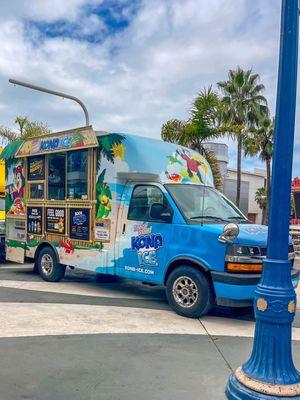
<point>15,251</point>
<point>36,168</point>
<point>55,220</point>
<point>58,142</point>
<point>79,223</point>
<point>104,196</point>
<point>186,165</point>
<point>102,229</point>
<point>34,220</point>
<point>146,247</point>
<point>68,246</point>
<point>119,151</point>
<point>142,229</point>
<point>14,190</point>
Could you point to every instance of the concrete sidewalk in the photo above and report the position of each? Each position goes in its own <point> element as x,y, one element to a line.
<point>120,366</point>
<point>82,340</point>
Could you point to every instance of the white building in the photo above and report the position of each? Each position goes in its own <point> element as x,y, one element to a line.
<point>251,181</point>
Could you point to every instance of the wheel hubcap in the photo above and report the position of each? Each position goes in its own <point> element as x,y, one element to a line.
<point>46,264</point>
<point>185,291</point>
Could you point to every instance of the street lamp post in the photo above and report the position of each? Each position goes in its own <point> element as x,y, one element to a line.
<point>270,372</point>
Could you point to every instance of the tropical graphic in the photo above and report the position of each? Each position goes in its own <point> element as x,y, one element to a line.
<point>104,196</point>
<point>14,189</point>
<point>110,147</point>
<point>187,166</point>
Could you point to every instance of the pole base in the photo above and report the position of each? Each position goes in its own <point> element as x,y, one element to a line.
<point>235,390</point>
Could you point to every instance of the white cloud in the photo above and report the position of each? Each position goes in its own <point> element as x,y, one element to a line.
<point>135,79</point>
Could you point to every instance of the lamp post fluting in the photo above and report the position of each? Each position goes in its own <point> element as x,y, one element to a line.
<point>270,372</point>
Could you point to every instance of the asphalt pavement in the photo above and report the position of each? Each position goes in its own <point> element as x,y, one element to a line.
<point>80,339</point>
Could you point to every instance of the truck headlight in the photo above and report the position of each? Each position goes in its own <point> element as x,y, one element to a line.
<point>241,258</point>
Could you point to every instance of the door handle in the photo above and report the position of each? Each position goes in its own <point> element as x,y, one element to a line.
<point>124,229</point>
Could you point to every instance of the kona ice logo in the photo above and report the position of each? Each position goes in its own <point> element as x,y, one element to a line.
<point>56,143</point>
<point>146,247</point>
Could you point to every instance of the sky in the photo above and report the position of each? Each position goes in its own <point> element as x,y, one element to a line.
<point>134,63</point>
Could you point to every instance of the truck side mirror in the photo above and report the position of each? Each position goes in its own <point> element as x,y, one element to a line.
<point>159,212</point>
<point>230,232</point>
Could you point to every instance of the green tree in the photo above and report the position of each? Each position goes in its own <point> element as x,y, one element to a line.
<point>26,129</point>
<point>243,104</point>
<point>261,200</point>
<point>261,143</point>
<point>202,125</point>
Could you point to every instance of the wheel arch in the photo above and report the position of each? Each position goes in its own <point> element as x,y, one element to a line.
<point>42,246</point>
<point>187,261</point>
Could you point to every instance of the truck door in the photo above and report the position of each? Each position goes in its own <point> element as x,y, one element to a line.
<point>145,229</point>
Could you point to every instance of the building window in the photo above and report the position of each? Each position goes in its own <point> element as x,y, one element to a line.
<point>148,203</point>
<point>57,176</point>
<point>77,171</point>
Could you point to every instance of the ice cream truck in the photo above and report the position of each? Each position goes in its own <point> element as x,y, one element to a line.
<point>138,208</point>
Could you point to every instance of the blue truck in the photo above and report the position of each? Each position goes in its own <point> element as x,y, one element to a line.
<point>138,208</point>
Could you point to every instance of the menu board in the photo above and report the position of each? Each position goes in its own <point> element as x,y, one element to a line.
<point>36,168</point>
<point>55,220</point>
<point>79,223</point>
<point>35,220</point>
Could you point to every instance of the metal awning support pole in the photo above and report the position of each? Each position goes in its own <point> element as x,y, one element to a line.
<point>55,93</point>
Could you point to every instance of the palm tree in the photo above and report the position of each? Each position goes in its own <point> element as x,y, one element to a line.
<point>26,129</point>
<point>261,200</point>
<point>243,104</point>
<point>261,143</point>
<point>200,127</point>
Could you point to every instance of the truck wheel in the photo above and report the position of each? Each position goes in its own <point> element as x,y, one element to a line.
<point>189,292</point>
<point>48,265</point>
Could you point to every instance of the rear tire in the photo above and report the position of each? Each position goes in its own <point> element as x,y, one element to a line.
<point>48,265</point>
<point>189,292</point>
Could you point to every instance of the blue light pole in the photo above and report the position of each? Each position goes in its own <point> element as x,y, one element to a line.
<point>270,372</point>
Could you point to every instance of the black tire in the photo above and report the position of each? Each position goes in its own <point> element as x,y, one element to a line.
<point>35,268</point>
<point>198,297</point>
<point>56,271</point>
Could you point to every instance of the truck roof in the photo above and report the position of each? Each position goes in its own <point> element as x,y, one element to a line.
<point>131,154</point>
<point>138,155</point>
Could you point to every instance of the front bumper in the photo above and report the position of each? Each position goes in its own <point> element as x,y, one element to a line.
<point>238,289</point>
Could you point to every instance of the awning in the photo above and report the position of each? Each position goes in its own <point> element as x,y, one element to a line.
<point>73,139</point>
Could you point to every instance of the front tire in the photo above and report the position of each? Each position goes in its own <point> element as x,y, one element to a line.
<point>189,292</point>
<point>48,265</point>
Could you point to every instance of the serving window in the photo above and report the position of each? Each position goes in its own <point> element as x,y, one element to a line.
<point>57,176</point>
<point>77,174</point>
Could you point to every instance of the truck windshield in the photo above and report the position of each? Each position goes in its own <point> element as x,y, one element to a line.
<point>203,204</point>
<point>2,204</point>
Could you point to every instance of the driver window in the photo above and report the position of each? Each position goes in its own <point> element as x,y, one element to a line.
<point>148,203</point>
